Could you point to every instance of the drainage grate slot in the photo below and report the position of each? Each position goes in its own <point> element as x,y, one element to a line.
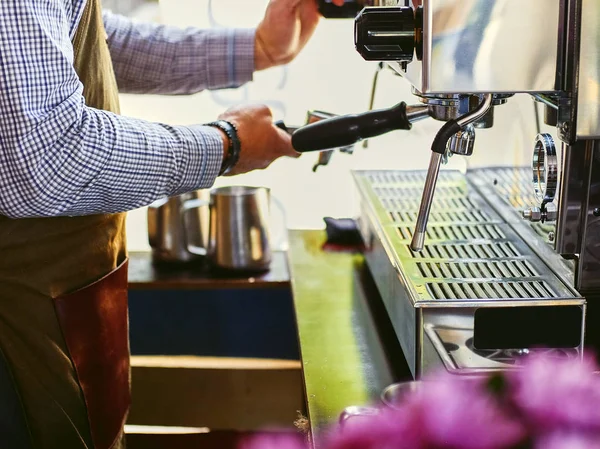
<point>441,204</point>
<point>411,177</point>
<point>477,270</point>
<point>417,191</point>
<point>442,217</point>
<point>491,290</point>
<point>458,233</point>
<point>500,250</point>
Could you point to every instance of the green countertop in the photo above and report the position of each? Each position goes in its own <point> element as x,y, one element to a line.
<point>348,349</point>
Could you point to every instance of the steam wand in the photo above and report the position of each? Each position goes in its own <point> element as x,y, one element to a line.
<point>438,149</point>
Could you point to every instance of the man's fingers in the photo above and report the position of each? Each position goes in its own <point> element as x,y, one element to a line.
<point>286,143</point>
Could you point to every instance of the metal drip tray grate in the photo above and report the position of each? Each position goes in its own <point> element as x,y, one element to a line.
<point>390,177</point>
<point>465,216</point>
<point>450,251</point>
<point>485,269</point>
<point>470,252</point>
<point>512,184</point>
<point>490,290</point>
<point>416,191</point>
<point>514,188</point>
<point>456,233</point>
<point>482,276</point>
<point>407,203</point>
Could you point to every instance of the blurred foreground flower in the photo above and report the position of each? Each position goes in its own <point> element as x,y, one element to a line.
<point>564,440</point>
<point>558,394</point>
<point>274,441</point>
<point>548,404</point>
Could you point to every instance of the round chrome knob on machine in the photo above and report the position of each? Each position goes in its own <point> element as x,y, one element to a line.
<point>386,34</point>
<point>545,179</point>
<point>545,169</point>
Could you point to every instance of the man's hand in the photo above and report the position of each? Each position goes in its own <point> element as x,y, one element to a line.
<point>261,141</point>
<point>285,30</point>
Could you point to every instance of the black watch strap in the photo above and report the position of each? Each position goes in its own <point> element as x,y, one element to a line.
<point>235,147</point>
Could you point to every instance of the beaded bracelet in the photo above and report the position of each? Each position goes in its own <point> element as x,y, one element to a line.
<point>235,147</point>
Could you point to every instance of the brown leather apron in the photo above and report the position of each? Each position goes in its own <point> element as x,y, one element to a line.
<point>63,305</point>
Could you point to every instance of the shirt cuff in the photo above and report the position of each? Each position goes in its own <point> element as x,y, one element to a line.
<point>237,67</point>
<point>202,163</point>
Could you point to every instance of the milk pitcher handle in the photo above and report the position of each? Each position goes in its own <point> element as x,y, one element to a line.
<point>185,208</point>
<point>281,242</point>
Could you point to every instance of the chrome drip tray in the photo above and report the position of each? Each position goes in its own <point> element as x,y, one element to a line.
<point>473,258</point>
<point>459,353</point>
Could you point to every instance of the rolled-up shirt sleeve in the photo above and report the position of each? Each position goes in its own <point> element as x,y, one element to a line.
<point>61,157</point>
<point>160,59</point>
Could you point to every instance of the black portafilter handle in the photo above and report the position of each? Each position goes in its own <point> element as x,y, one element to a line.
<point>348,129</point>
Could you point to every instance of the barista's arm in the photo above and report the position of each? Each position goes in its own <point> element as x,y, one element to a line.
<point>159,59</point>
<point>61,157</point>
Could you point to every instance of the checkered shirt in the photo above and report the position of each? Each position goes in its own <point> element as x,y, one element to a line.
<point>60,157</point>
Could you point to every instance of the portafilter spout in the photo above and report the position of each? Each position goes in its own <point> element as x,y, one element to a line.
<point>438,148</point>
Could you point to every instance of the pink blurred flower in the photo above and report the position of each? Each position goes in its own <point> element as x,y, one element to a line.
<point>548,404</point>
<point>274,441</point>
<point>561,440</point>
<point>446,413</point>
<point>557,393</point>
<point>462,414</point>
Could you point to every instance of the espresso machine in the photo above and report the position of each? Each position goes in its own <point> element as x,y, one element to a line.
<point>479,270</point>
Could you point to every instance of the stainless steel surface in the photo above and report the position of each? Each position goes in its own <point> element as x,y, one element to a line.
<point>574,185</point>
<point>588,267</point>
<point>509,190</point>
<point>418,239</point>
<point>240,235</point>
<point>463,141</point>
<point>169,235</point>
<point>480,254</point>
<point>355,411</point>
<point>533,214</point>
<point>445,107</point>
<point>478,113</point>
<point>462,356</point>
<point>473,259</point>
<point>432,174</point>
<point>547,48</point>
<point>416,113</point>
<point>588,96</point>
<point>545,169</point>
<point>472,46</point>
<point>393,395</point>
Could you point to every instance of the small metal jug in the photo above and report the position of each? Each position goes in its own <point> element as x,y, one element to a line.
<point>239,231</point>
<point>169,236</point>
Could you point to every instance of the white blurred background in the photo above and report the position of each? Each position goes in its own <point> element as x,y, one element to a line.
<point>329,75</point>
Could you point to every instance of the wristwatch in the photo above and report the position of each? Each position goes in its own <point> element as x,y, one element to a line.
<point>235,147</point>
